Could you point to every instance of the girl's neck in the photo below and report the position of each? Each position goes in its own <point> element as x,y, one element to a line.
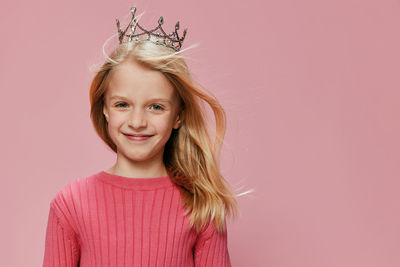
<point>136,173</point>
<point>127,168</point>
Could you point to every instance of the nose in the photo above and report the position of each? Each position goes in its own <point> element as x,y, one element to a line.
<point>137,118</point>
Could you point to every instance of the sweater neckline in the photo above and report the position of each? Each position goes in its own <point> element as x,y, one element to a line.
<point>139,183</point>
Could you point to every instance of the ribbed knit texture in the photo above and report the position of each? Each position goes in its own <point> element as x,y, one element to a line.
<point>110,220</point>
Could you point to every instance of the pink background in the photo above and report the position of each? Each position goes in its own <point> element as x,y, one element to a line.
<point>311,90</point>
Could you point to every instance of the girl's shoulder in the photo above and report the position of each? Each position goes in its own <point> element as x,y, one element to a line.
<point>72,191</point>
<point>67,202</point>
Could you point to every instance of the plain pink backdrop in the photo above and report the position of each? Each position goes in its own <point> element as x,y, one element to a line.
<point>311,91</point>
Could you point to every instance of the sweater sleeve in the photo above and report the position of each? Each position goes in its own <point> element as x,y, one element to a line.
<point>61,246</point>
<point>211,248</point>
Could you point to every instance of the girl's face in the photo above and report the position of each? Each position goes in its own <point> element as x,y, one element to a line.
<point>141,109</point>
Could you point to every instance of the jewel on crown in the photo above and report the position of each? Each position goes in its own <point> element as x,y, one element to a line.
<point>156,35</point>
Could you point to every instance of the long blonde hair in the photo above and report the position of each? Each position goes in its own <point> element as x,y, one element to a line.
<point>190,157</point>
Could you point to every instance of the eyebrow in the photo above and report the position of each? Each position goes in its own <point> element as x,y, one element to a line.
<point>152,99</point>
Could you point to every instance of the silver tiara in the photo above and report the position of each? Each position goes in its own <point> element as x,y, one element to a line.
<point>156,35</point>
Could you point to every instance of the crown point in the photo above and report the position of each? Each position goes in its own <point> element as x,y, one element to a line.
<point>156,35</point>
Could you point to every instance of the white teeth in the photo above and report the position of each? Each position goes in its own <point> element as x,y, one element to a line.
<point>138,138</point>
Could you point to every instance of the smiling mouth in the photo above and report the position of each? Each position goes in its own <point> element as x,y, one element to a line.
<point>138,137</point>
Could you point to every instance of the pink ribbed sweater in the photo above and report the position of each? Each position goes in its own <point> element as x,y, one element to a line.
<point>110,220</point>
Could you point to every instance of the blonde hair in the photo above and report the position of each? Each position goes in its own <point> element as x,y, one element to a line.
<point>190,157</point>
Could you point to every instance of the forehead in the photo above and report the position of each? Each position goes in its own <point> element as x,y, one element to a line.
<point>134,80</point>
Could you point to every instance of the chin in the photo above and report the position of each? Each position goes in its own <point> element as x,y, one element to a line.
<point>132,156</point>
<point>137,158</point>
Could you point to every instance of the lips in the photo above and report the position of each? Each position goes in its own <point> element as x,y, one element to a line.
<point>138,137</point>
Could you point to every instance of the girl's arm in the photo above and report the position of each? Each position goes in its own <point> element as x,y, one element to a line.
<point>61,246</point>
<point>211,248</point>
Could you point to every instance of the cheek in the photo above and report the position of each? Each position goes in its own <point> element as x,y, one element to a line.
<point>164,125</point>
<point>115,121</point>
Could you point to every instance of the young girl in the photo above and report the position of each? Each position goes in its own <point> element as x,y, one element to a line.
<point>164,202</point>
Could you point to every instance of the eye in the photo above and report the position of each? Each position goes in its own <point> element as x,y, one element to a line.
<point>157,107</point>
<point>119,104</point>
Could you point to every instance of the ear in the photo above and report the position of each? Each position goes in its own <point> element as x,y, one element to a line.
<point>105,113</point>
<point>178,120</point>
